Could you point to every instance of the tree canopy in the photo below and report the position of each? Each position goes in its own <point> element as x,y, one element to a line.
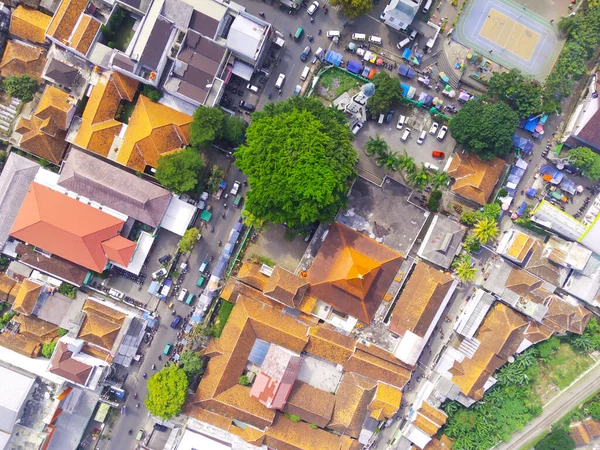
<point>299,160</point>
<point>48,349</point>
<point>353,8</point>
<point>191,363</point>
<point>485,128</point>
<point>388,94</point>
<point>166,392</point>
<point>586,160</point>
<point>558,439</point>
<point>211,124</point>
<point>189,240</point>
<point>21,86</point>
<point>521,92</point>
<point>179,171</point>
<point>234,130</point>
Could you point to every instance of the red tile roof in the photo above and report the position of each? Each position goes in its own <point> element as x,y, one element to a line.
<point>64,365</point>
<point>119,250</point>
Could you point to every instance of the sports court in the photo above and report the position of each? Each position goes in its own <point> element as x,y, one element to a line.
<point>510,35</point>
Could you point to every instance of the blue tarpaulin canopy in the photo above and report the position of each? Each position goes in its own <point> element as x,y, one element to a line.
<point>154,288</point>
<point>410,73</point>
<point>403,70</point>
<point>405,88</point>
<point>354,66</point>
<point>553,172</point>
<point>151,320</point>
<point>522,208</point>
<point>529,123</point>
<point>530,192</point>
<point>334,58</point>
<point>406,54</point>
<point>525,145</point>
<point>568,186</point>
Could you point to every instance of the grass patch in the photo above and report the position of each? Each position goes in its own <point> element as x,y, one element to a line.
<point>222,316</point>
<point>561,368</point>
<point>263,260</point>
<point>335,82</point>
<point>531,444</point>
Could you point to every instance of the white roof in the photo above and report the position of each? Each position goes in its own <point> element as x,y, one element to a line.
<point>410,347</point>
<point>14,389</point>
<point>192,440</point>
<point>178,216</point>
<point>558,221</point>
<point>4,438</point>
<point>246,36</point>
<point>591,237</point>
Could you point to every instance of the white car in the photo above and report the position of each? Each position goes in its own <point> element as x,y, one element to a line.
<point>434,128</point>
<point>313,8</point>
<point>182,295</point>
<point>442,133</point>
<point>401,121</point>
<point>356,128</point>
<point>159,273</point>
<point>280,81</point>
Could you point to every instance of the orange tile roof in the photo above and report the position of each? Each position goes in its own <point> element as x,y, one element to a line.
<point>98,125</point>
<point>36,328</point>
<point>425,424</point>
<point>22,59</point>
<point>250,274</point>
<point>536,332</point>
<point>308,304</point>
<point>65,19</point>
<point>310,404</point>
<point>376,368</point>
<point>29,24</point>
<point>387,401</point>
<point>593,427</point>
<point>522,282</point>
<point>520,246</point>
<point>470,375</point>
<point>119,250</point>
<point>8,288</point>
<point>474,179</point>
<point>329,344</point>
<point>56,108</point>
<point>287,435</point>
<point>540,265</point>
<point>34,140</point>
<point>101,325</point>
<point>46,220</point>
<point>352,272</point>
<point>27,297</point>
<point>285,287</point>
<point>84,34</point>
<point>352,399</point>
<point>154,130</point>
<point>434,414</point>
<point>579,433</point>
<point>420,300</point>
<point>441,443</point>
<point>21,344</point>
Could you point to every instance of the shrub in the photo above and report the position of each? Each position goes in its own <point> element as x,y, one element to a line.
<point>61,332</point>
<point>68,289</point>
<point>433,204</point>
<point>503,192</point>
<point>313,426</point>
<point>243,380</point>
<point>292,417</point>
<point>152,93</point>
<point>48,349</point>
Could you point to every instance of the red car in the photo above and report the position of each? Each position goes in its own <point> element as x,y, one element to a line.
<point>437,154</point>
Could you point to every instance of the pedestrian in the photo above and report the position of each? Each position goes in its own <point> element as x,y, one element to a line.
<point>552,21</point>
<point>491,51</point>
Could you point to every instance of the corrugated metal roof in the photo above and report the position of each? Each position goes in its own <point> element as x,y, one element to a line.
<point>14,389</point>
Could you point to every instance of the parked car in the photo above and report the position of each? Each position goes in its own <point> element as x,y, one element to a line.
<point>434,128</point>
<point>356,128</point>
<point>182,294</point>
<point>389,116</point>
<point>305,53</point>
<point>159,273</point>
<point>401,121</point>
<point>438,154</point>
<point>168,348</point>
<point>280,81</point>
<point>247,106</point>
<point>313,8</point>
<point>163,259</point>
<point>203,267</point>
<point>159,427</point>
<point>422,137</point>
<point>176,322</point>
<point>297,90</point>
<point>442,133</point>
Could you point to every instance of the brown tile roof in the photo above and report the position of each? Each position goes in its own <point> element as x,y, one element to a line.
<point>310,404</point>
<point>98,125</point>
<point>285,287</point>
<point>154,130</point>
<point>64,365</point>
<point>563,316</point>
<point>474,179</point>
<point>420,300</point>
<point>227,291</point>
<point>541,266</point>
<point>65,19</point>
<point>593,427</point>
<point>579,433</point>
<point>522,282</point>
<point>97,352</point>
<point>434,414</point>
<point>441,443</point>
<point>84,34</point>
<point>536,332</point>
<point>470,375</point>
<point>250,274</point>
<point>102,324</point>
<point>55,265</point>
<point>352,272</point>
<point>29,24</point>
<point>21,344</point>
<point>352,400</point>
<point>425,424</point>
<point>27,297</point>
<point>22,59</point>
<point>308,304</point>
<point>55,109</point>
<point>36,328</point>
<point>386,401</point>
<point>287,435</point>
<point>377,368</point>
<point>8,288</point>
<point>329,344</point>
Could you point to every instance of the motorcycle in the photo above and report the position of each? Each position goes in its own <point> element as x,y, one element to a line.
<point>137,406</point>
<point>153,367</point>
<point>135,395</point>
<point>129,432</point>
<point>145,375</point>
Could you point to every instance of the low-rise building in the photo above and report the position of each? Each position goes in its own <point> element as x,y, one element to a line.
<point>474,179</point>
<point>399,14</point>
<point>29,24</point>
<point>442,241</point>
<point>22,58</point>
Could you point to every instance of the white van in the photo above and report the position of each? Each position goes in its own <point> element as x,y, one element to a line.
<point>280,80</point>
<point>252,88</point>
<point>333,34</point>
<point>413,35</point>
<point>427,6</point>
<point>405,135</point>
<point>431,167</point>
<point>375,40</point>
<point>305,73</point>
<point>381,118</point>
<point>403,43</point>
<point>359,37</point>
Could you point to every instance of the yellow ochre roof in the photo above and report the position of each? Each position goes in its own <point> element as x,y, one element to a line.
<point>520,246</point>
<point>29,24</point>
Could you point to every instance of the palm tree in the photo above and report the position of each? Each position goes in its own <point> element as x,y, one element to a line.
<point>485,230</point>
<point>419,178</point>
<point>409,165</point>
<point>376,146</point>
<point>390,160</point>
<point>465,271</point>
<point>440,179</point>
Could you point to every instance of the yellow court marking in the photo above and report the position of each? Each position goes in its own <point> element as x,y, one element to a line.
<point>510,34</point>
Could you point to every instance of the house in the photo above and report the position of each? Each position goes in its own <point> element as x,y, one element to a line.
<point>424,422</point>
<point>418,310</point>
<point>21,58</point>
<point>551,217</point>
<point>583,128</point>
<point>102,325</point>
<point>70,362</point>
<point>27,297</point>
<point>351,274</point>
<point>516,246</point>
<point>399,14</point>
<point>15,389</point>
<point>285,287</point>
<point>442,241</point>
<point>474,179</point>
<point>584,431</point>
<point>9,288</point>
<point>43,134</point>
<point>29,24</point>
<point>72,27</point>
<point>60,74</point>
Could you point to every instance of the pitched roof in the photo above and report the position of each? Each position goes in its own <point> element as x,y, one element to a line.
<point>65,19</point>
<point>386,401</point>
<point>114,187</point>
<point>21,344</point>
<point>46,220</point>
<point>8,288</point>
<point>84,33</point>
<point>441,443</point>
<point>16,177</point>
<point>287,435</point>
<point>64,365</point>
<point>36,328</point>
<point>98,125</point>
<point>378,368</point>
<point>310,404</point>
<point>563,316</point>
<point>579,433</point>
<point>420,300</point>
<point>21,58</point>
<point>29,24</point>
<point>250,274</point>
<point>285,287</point>
<point>154,130</point>
<point>442,241</point>
<point>540,265</point>
<point>27,297</point>
<point>474,179</point>
<point>352,272</point>
<point>520,246</point>
<point>352,400</point>
<point>329,344</point>
<point>61,73</point>
<point>101,325</point>
<point>57,266</point>
<point>119,250</point>
<point>593,427</point>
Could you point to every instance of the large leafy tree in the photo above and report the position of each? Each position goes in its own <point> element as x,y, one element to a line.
<point>21,86</point>
<point>179,171</point>
<point>353,8</point>
<point>299,160</point>
<point>587,161</point>
<point>166,392</point>
<point>485,128</point>
<point>388,94</point>
<point>189,240</point>
<point>191,363</point>
<point>558,439</point>
<point>521,92</point>
<point>234,130</point>
<point>207,126</point>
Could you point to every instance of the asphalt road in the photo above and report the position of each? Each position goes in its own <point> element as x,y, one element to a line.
<point>555,409</point>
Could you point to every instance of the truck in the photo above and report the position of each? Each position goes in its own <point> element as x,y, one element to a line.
<point>235,188</point>
<point>222,187</point>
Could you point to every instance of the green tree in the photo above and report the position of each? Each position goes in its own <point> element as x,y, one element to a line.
<point>559,439</point>
<point>68,289</point>
<point>408,164</point>
<point>485,128</point>
<point>189,239</point>
<point>419,178</point>
<point>593,409</point>
<point>389,160</point>
<point>48,349</point>
<point>464,270</point>
<point>388,94</point>
<point>376,146</point>
<point>299,161</point>
<point>251,220</point>
<point>207,126</point>
<point>216,176</point>
<point>471,244</point>
<point>152,93</point>
<point>166,392</point>
<point>440,179</point>
<point>234,130</point>
<point>22,87</point>
<point>353,8</point>
<point>434,201</point>
<point>586,160</point>
<point>485,230</point>
<point>521,92</point>
<point>191,363</point>
<point>179,171</point>
<point>243,380</point>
